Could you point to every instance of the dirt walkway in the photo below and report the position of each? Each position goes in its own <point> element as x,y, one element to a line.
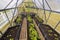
<point>23,34</point>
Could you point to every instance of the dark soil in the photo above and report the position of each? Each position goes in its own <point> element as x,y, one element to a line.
<point>12,33</point>
<point>48,32</point>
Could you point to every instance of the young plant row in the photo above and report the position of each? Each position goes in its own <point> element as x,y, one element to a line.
<point>29,19</point>
<point>33,34</point>
<point>19,19</point>
<point>38,19</point>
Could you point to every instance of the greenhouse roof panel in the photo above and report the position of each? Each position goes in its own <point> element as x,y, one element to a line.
<point>54,4</point>
<point>10,3</point>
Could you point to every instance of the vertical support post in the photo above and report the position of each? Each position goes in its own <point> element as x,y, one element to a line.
<point>14,11</point>
<point>49,12</point>
<point>44,10</point>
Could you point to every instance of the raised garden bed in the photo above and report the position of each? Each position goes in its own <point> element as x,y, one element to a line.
<point>19,19</point>
<point>36,18</point>
<point>32,32</point>
<point>48,32</point>
<point>12,33</point>
<point>29,18</point>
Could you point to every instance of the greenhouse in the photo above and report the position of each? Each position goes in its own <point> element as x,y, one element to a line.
<point>29,19</point>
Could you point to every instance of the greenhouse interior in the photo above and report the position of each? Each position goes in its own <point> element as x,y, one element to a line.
<point>29,19</point>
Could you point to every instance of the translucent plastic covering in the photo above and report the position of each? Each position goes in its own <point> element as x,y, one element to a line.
<point>51,14</point>
<point>9,3</point>
<point>54,4</point>
<point>6,16</point>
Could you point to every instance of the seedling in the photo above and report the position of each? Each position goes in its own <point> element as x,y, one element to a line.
<point>50,31</point>
<point>11,39</point>
<point>56,39</point>
<point>55,35</point>
<point>50,34</point>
